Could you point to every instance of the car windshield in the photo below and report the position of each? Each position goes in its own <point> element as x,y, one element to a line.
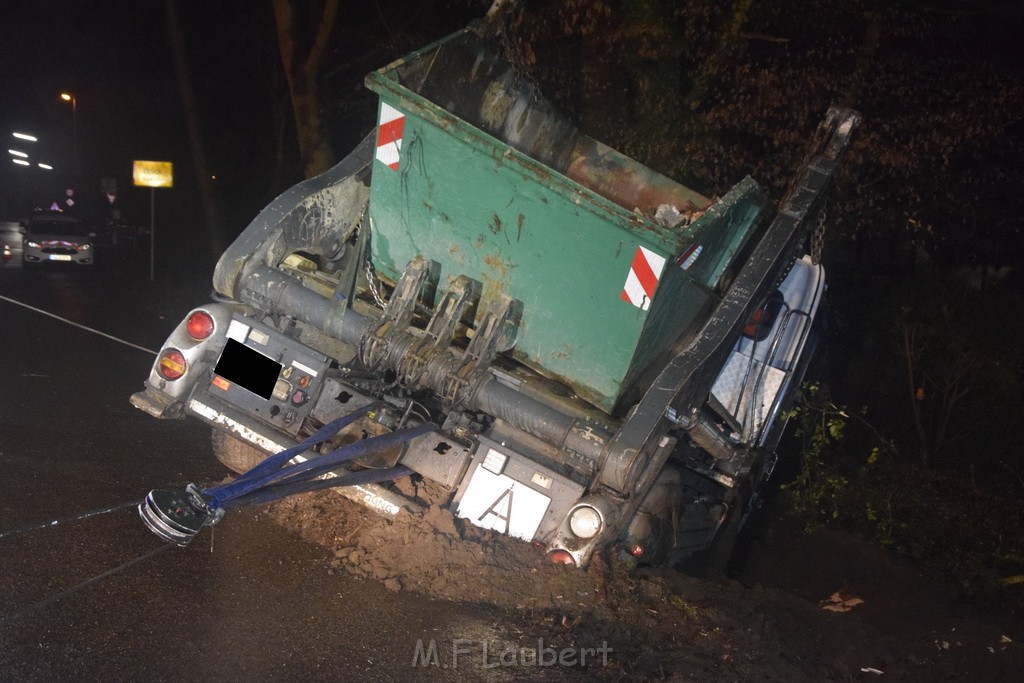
<point>56,226</point>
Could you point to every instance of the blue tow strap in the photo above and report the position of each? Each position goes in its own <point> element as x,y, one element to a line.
<point>222,496</point>
<point>276,461</point>
<point>178,515</point>
<point>269,494</point>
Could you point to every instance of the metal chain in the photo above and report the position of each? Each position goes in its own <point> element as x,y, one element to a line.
<point>371,280</point>
<point>371,276</point>
<point>818,236</point>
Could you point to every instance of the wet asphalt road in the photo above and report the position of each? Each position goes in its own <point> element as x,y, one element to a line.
<point>260,606</point>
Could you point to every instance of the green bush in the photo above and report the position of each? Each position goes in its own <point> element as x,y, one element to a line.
<point>937,517</point>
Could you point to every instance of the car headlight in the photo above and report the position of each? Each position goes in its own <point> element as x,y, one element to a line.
<point>84,247</point>
<point>34,245</point>
<point>585,521</point>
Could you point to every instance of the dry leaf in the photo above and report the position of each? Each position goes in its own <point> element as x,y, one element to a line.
<point>840,601</point>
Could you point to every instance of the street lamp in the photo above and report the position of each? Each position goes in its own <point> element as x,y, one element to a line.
<point>68,97</point>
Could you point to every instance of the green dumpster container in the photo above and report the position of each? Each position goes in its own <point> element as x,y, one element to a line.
<point>477,172</point>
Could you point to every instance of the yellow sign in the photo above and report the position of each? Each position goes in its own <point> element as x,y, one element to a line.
<point>153,174</point>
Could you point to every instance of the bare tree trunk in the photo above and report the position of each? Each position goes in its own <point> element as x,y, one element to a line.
<point>302,73</point>
<point>195,138</point>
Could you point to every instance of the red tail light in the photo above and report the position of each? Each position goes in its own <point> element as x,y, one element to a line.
<point>199,325</point>
<point>561,557</point>
<point>171,364</point>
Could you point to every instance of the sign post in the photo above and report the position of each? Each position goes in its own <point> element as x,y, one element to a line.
<point>152,174</point>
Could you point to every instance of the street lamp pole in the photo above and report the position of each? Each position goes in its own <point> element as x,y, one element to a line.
<point>68,97</point>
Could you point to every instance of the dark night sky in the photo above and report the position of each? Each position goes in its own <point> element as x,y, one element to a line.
<point>115,57</point>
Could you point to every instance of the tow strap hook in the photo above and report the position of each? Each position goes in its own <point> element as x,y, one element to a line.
<point>178,515</point>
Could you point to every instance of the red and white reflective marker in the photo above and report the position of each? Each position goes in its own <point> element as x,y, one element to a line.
<point>389,135</point>
<point>690,256</point>
<point>643,278</point>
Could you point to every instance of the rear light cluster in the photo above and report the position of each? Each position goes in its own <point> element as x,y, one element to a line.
<point>199,325</point>
<point>585,522</point>
<point>171,365</point>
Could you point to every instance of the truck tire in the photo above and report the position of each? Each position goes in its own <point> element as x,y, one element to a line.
<point>720,551</point>
<point>713,561</point>
<point>235,454</point>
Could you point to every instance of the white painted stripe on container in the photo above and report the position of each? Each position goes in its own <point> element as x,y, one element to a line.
<point>635,291</point>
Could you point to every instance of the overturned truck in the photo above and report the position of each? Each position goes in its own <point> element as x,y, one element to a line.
<point>599,354</point>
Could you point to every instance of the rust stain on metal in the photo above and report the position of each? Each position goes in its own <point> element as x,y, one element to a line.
<point>493,287</point>
<point>494,262</point>
<point>499,264</point>
<point>495,279</point>
<point>626,182</point>
<point>564,354</point>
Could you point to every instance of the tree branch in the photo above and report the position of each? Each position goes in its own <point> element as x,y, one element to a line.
<point>323,34</point>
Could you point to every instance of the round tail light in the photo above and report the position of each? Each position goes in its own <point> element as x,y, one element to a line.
<point>171,364</point>
<point>199,325</point>
<point>562,557</point>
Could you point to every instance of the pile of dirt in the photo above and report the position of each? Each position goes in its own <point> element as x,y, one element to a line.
<point>642,617</point>
<point>666,624</point>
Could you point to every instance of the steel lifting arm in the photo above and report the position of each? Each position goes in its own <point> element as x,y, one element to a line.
<point>632,460</point>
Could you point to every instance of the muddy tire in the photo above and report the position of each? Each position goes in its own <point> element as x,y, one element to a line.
<point>721,549</point>
<point>235,454</point>
<point>713,561</point>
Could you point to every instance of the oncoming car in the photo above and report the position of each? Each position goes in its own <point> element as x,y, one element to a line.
<point>56,236</point>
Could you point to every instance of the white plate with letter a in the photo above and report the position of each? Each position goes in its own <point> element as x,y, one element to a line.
<point>499,502</point>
